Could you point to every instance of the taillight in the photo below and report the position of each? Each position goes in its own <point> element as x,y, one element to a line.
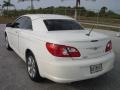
<point>62,50</point>
<point>108,46</point>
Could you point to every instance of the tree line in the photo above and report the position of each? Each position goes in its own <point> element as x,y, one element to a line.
<point>82,11</point>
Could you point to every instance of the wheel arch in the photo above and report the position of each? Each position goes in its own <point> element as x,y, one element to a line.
<point>5,34</point>
<point>28,51</point>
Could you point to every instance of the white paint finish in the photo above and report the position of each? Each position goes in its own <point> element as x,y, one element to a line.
<point>61,69</point>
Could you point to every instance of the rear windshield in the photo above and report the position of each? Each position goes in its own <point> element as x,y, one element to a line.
<point>62,24</point>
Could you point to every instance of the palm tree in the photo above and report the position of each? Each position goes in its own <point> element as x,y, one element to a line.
<point>7,4</point>
<point>78,3</point>
<point>32,5</point>
<point>103,11</point>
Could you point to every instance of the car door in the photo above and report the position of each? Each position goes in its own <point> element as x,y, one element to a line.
<point>24,35</point>
<point>16,28</point>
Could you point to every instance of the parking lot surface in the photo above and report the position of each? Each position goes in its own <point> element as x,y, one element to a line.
<point>13,74</point>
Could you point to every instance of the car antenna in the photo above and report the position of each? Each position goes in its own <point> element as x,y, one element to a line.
<point>88,34</point>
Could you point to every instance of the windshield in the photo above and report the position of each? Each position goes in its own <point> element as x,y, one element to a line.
<point>62,24</point>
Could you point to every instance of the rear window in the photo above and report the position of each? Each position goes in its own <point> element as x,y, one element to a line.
<point>62,24</point>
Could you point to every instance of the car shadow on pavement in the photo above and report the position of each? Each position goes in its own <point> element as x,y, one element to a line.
<point>90,84</point>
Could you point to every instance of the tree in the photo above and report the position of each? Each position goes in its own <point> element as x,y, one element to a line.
<point>112,14</point>
<point>82,11</point>
<point>32,5</point>
<point>7,4</point>
<point>103,11</point>
<point>78,3</point>
<point>91,14</point>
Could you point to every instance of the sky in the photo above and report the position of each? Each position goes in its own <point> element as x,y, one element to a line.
<point>111,4</point>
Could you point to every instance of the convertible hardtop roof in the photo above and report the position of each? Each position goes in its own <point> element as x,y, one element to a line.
<point>47,16</point>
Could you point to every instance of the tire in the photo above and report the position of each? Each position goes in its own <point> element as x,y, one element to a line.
<point>32,68</point>
<point>7,44</point>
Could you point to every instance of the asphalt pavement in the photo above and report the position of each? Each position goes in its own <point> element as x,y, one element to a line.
<point>13,74</point>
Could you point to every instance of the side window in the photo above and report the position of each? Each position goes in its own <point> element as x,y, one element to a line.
<point>23,23</point>
<point>19,23</point>
<point>28,23</point>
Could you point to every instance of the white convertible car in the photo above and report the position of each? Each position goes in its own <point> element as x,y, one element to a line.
<point>58,48</point>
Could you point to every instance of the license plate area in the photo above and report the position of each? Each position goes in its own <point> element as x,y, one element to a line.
<point>96,68</point>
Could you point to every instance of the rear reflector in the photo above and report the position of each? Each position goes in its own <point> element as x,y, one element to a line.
<point>62,50</point>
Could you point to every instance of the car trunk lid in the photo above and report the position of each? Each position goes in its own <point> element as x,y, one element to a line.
<point>89,46</point>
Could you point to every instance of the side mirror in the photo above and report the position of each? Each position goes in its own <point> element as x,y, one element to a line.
<point>9,25</point>
<point>15,25</point>
<point>12,25</point>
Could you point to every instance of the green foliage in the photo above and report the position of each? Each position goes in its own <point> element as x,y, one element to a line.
<point>111,14</point>
<point>7,4</point>
<point>82,11</point>
<point>91,14</point>
<point>104,12</point>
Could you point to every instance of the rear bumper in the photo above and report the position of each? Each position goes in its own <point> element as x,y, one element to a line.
<point>70,71</point>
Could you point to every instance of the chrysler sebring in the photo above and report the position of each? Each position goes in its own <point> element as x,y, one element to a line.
<point>58,48</point>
